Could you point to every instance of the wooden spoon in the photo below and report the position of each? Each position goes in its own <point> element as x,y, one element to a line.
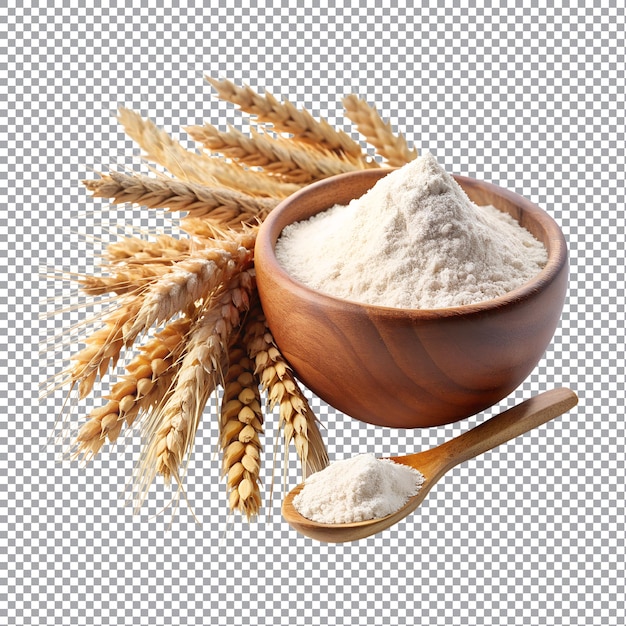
<point>434,463</point>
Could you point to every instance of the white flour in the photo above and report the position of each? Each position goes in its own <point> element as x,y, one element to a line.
<point>356,489</point>
<point>414,240</point>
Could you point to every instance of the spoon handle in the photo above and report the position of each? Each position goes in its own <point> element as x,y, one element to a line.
<point>506,426</point>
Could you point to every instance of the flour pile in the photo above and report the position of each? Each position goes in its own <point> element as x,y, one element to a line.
<point>416,241</point>
<point>357,489</point>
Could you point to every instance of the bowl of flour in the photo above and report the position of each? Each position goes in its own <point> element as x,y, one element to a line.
<point>410,297</point>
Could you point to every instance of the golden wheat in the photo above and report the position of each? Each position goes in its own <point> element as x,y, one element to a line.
<point>188,166</point>
<point>103,347</point>
<point>123,281</point>
<point>241,424</point>
<point>286,117</point>
<point>200,286</point>
<point>188,282</point>
<point>138,251</point>
<point>393,148</point>
<point>297,420</point>
<point>206,231</point>
<point>278,157</point>
<point>170,430</point>
<point>195,199</point>
<point>148,377</point>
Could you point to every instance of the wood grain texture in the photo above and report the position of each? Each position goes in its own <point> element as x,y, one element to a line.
<point>434,463</point>
<point>410,368</point>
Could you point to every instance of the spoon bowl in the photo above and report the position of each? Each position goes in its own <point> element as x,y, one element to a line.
<point>434,463</point>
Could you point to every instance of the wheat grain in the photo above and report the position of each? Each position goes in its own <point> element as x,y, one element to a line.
<point>241,423</point>
<point>393,148</point>
<point>297,420</point>
<point>195,199</point>
<point>285,117</point>
<point>170,430</point>
<point>188,166</point>
<point>278,157</point>
<point>149,376</point>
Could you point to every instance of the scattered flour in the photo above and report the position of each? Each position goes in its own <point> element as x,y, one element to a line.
<point>357,489</point>
<point>414,240</point>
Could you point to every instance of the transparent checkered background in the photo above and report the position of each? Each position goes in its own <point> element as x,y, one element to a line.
<point>526,97</point>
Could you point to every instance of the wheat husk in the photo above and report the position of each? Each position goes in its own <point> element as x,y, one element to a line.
<point>208,231</point>
<point>134,263</point>
<point>103,348</point>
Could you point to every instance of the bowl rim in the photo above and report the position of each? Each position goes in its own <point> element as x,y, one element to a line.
<point>271,228</point>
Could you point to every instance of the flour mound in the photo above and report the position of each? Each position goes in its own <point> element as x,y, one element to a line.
<point>414,240</point>
<point>357,489</point>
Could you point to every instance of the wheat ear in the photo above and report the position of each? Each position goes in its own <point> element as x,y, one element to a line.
<point>191,280</point>
<point>285,117</point>
<point>196,200</point>
<point>170,430</point>
<point>134,263</point>
<point>205,231</point>
<point>188,166</point>
<point>278,157</point>
<point>149,376</point>
<point>103,347</point>
<point>393,148</point>
<point>129,280</point>
<point>137,251</point>
<point>297,420</point>
<point>241,424</point>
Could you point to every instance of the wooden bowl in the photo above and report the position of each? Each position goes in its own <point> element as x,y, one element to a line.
<point>409,368</point>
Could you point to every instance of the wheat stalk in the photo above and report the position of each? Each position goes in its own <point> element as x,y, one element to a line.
<point>285,117</point>
<point>241,424</point>
<point>297,420</point>
<point>160,148</point>
<point>170,431</point>
<point>149,376</point>
<point>393,148</point>
<point>195,199</point>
